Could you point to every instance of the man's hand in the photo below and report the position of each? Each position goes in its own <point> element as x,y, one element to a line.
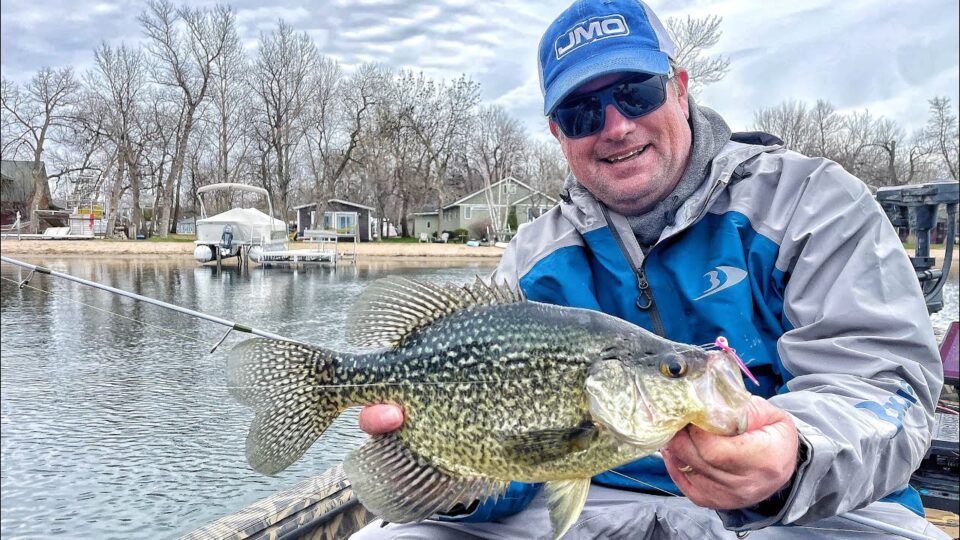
<point>726,473</point>
<point>380,419</point>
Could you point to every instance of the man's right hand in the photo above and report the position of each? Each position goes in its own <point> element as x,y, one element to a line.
<point>380,419</point>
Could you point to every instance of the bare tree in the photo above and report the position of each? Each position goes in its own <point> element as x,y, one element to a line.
<point>230,103</point>
<point>335,120</point>
<point>186,44</point>
<point>875,149</point>
<point>117,85</point>
<point>788,120</point>
<point>441,120</point>
<point>494,152</point>
<point>284,82</point>
<point>826,127</point>
<point>37,113</point>
<point>546,167</point>
<point>692,37</point>
<point>887,139</point>
<point>407,156</point>
<point>376,161</point>
<point>941,133</point>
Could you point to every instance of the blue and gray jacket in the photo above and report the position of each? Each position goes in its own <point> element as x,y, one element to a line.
<point>794,262</point>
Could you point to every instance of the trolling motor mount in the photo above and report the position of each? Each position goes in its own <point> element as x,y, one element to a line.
<point>916,208</point>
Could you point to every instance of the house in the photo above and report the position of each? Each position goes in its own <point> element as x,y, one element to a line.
<point>473,211</point>
<point>345,217</point>
<point>16,189</point>
<point>187,226</point>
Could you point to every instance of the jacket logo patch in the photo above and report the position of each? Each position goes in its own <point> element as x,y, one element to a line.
<point>721,279</point>
<point>894,409</point>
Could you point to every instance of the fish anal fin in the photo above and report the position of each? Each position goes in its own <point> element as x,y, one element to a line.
<point>549,444</point>
<point>400,487</point>
<point>565,500</point>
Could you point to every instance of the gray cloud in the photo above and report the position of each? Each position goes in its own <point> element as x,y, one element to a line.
<point>890,57</point>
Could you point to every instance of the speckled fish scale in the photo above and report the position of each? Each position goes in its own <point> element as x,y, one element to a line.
<point>494,388</point>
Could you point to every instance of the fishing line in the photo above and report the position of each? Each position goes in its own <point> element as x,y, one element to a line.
<point>25,285</point>
<point>173,307</point>
<point>658,488</point>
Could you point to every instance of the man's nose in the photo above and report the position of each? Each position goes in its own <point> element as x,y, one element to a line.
<point>615,125</point>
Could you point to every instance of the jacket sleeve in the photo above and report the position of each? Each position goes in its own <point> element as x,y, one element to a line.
<point>861,362</point>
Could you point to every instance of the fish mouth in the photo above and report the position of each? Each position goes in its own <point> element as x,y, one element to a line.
<point>724,396</point>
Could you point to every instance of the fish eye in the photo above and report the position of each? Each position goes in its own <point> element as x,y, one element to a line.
<point>673,368</point>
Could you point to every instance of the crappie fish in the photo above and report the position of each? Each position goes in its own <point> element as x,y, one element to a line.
<point>494,388</point>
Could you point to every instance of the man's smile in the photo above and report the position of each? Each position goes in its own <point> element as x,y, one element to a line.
<point>617,158</point>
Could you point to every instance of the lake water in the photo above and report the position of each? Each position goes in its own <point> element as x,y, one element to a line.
<point>120,427</point>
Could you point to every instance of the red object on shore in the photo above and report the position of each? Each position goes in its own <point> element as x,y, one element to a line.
<point>949,351</point>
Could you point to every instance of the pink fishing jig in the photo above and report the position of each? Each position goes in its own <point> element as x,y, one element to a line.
<point>725,347</point>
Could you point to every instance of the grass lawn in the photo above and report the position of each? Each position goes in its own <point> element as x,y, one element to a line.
<point>913,245</point>
<point>400,240</point>
<point>169,238</point>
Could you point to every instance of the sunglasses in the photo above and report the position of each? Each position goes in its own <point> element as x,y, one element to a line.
<point>584,114</point>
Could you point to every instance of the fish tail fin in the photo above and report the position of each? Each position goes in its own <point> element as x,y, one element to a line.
<point>288,385</point>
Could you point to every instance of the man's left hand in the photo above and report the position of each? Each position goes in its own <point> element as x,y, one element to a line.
<point>725,473</point>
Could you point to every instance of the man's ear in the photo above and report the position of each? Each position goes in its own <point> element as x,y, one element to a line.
<point>554,130</point>
<point>682,79</point>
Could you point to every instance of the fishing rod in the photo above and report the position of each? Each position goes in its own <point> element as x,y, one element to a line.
<point>34,268</point>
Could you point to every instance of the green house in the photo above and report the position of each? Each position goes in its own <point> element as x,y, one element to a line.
<point>485,212</point>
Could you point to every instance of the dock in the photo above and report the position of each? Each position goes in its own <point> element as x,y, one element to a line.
<point>326,250</point>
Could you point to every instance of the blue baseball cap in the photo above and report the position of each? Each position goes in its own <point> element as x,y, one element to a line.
<point>598,37</point>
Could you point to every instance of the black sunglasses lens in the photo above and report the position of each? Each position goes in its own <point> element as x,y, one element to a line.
<point>580,117</point>
<point>635,99</point>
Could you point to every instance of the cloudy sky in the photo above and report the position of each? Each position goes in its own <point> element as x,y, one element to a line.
<point>887,56</point>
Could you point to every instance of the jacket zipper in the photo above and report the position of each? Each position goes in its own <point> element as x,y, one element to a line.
<point>645,301</point>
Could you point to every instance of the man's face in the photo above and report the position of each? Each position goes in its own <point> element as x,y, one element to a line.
<point>630,165</point>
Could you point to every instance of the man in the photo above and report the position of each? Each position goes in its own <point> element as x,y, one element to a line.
<point>670,221</point>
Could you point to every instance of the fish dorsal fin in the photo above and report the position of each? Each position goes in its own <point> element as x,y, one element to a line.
<point>565,500</point>
<point>400,487</point>
<point>391,308</point>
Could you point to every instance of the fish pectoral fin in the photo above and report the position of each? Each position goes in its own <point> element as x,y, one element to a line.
<point>401,487</point>
<point>549,444</point>
<point>565,500</point>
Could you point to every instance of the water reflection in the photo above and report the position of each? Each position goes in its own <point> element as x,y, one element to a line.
<point>115,420</point>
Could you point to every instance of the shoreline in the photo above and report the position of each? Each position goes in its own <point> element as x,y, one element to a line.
<point>138,248</point>
<point>373,250</point>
